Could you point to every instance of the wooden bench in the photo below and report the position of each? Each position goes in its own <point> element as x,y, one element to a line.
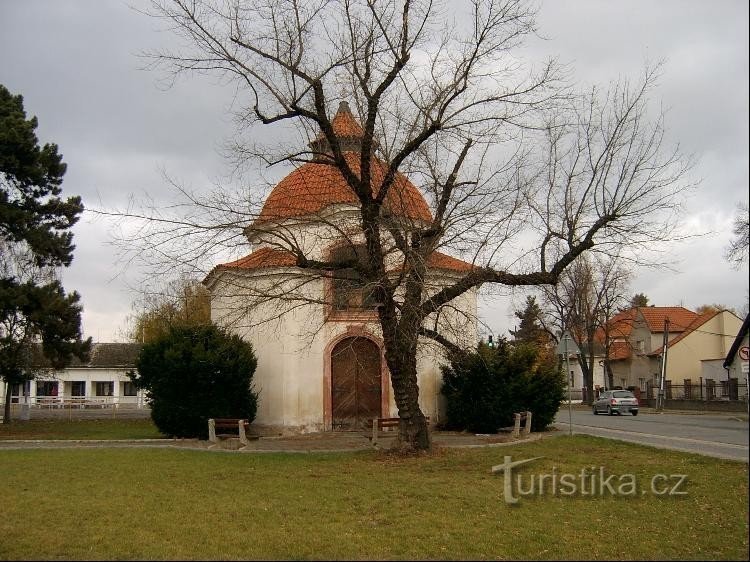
<point>385,424</point>
<point>518,417</point>
<point>217,427</point>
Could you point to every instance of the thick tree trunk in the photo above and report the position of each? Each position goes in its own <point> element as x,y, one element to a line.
<point>609,373</point>
<point>414,433</point>
<point>587,367</point>
<point>6,412</point>
<point>588,382</point>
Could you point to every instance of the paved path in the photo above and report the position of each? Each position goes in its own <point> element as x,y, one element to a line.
<point>722,436</point>
<point>309,443</point>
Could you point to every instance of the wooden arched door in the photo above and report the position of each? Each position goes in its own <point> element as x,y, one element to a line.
<point>355,383</point>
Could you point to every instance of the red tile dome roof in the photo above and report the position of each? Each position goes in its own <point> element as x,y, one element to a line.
<point>438,260</point>
<point>344,124</point>
<point>316,185</point>
<point>262,258</point>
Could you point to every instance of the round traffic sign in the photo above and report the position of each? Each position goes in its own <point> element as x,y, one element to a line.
<point>745,353</point>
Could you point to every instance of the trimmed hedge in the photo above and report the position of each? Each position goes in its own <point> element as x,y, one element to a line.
<point>484,388</point>
<point>194,373</point>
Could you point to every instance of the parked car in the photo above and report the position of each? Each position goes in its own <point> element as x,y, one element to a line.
<point>616,402</point>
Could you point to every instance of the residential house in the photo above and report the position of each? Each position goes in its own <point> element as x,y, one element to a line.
<point>696,346</point>
<point>634,334</point>
<point>578,389</point>
<point>694,358</point>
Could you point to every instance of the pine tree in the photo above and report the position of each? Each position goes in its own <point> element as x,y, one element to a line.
<point>530,328</point>
<point>35,240</point>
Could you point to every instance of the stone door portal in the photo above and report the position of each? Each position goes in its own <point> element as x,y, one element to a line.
<point>355,383</point>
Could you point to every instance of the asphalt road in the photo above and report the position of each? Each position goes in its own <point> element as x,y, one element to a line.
<point>714,435</point>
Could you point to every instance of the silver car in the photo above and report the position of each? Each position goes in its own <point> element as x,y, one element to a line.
<point>616,402</point>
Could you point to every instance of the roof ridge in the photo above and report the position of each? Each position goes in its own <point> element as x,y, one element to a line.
<point>697,322</point>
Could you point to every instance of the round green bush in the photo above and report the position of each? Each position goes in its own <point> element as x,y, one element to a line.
<point>194,373</point>
<point>485,388</point>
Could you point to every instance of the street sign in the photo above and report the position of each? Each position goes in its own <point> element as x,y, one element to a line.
<point>745,353</point>
<point>567,346</point>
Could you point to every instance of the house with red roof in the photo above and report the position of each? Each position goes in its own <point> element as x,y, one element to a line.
<point>636,338</point>
<point>695,357</point>
<point>316,334</point>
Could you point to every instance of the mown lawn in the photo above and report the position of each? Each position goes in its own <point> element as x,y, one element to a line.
<point>80,429</point>
<point>186,504</point>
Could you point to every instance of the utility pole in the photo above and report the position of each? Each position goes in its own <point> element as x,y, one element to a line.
<point>665,341</point>
<point>567,375</point>
<point>565,348</point>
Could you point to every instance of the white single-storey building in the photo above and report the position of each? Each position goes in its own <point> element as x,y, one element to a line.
<point>101,381</point>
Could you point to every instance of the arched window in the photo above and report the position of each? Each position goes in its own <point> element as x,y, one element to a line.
<point>350,291</point>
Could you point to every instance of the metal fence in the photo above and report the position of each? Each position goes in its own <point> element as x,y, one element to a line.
<point>707,390</point>
<point>78,410</point>
<point>77,407</point>
<point>80,402</point>
<point>576,395</point>
<point>702,390</point>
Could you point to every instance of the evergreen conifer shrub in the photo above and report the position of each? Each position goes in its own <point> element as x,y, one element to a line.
<point>194,373</point>
<point>485,388</point>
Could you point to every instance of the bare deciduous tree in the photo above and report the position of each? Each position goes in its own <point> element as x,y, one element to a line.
<point>180,302</point>
<point>584,300</point>
<point>520,177</point>
<point>738,249</point>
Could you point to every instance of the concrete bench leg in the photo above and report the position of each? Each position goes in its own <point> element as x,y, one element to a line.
<point>527,427</point>
<point>243,436</point>
<point>516,425</point>
<point>212,433</point>
<point>374,439</point>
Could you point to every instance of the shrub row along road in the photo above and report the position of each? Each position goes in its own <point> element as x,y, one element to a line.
<point>722,436</point>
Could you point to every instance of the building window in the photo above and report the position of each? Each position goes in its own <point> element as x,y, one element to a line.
<point>129,389</point>
<point>46,388</point>
<point>105,388</point>
<point>78,388</point>
<point>17,390</point>
<point>350,292</point>
<point>640,346</point>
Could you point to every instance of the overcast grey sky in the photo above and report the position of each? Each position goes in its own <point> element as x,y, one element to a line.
<point>75,62</point>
